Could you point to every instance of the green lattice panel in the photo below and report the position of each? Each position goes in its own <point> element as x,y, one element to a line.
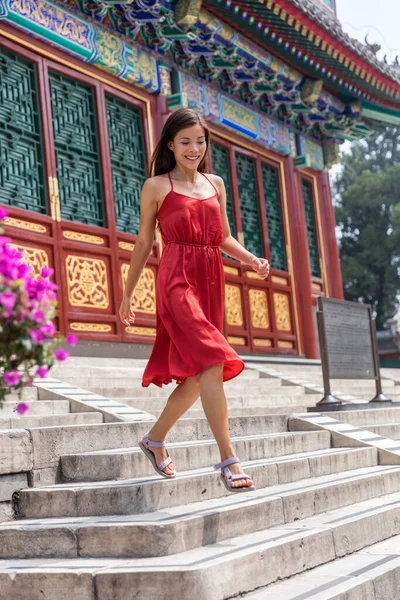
<point>274,217</point>
<point>221,167</point>
<point>128,161</point>
<point>311,229</point>
<point>246,175</point>
<point>77,152</point>
<point>22,179</point>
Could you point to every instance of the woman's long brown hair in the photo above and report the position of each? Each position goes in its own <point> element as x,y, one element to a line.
<point>163,159</point>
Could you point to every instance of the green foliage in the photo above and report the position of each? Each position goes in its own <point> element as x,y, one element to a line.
<point>368,216</point>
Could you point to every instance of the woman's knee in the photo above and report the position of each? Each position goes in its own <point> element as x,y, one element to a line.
<point>212,372</point>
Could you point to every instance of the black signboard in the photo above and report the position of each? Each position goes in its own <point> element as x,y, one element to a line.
<point>348,345</point>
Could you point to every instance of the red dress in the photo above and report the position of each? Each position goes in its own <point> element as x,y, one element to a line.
<point>190,293</point>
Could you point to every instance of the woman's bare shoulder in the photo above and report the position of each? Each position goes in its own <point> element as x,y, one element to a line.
<point>156,185</point>
<point>216,180</point>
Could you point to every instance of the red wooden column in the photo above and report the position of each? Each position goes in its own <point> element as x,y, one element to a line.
<point>301,260</point>
<point>331,248</point>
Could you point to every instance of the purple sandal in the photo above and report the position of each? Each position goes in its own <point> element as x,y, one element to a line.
<point>227,476</point>
<point>145,447</point>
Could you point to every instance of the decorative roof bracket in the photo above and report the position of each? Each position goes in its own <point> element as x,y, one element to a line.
<point>187,12</point>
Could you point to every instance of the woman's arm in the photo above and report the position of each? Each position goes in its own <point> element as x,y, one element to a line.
<point>143,246</point>
<point>230,245</point>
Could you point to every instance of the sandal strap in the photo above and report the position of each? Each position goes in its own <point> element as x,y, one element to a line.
<point>165,463</point>
<point>241,476</point>
<point>225,463</point>
<point>151,444</point>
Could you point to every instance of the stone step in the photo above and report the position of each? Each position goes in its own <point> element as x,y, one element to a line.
<point>51,443</point>
<point>369,417</point>
<point>147,494</point>
<point>102,361</point>
<point>28,394</point>
<point>80,418</point>
<point>229,567</point>
<point>156,534</point>
<point>370,574</point>
<point>389,430</point>
<point>131,462</point>
<point>194,413</point>
<point>49,407</point>
<point>121,393</point>
<point>234,401</point>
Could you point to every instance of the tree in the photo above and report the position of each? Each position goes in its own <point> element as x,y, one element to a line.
<point>368,217</point>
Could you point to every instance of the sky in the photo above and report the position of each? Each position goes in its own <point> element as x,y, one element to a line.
<point>380,19</point>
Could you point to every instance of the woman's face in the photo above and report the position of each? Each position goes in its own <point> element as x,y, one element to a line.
<point>189,146</point>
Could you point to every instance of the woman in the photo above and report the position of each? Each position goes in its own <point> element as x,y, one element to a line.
<point>190,207</point>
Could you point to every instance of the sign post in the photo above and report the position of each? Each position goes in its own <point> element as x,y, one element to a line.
<point>348,347</point>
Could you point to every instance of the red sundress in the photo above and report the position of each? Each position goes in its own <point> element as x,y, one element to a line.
<point>190,293</point>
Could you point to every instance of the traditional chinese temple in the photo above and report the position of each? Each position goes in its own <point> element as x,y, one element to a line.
<point>85,87</point>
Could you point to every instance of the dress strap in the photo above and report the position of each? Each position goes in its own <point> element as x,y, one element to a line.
<point>209,181</point>
<point>170,180</point>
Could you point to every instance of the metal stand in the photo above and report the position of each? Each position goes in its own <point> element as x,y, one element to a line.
<point>380,396</point>
<point>328,399</point>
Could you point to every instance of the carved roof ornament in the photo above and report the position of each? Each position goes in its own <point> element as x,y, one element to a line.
<point>187,12</point>
<point>374,48</point>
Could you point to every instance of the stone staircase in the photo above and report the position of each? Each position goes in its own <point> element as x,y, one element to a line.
<point>94,521</point>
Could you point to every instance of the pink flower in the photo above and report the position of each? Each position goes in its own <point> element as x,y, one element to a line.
<point>42,372</point>
<point>37,336</point>
<point>21,408</point>
<point>11,378</point>
<point>38,316</point>
<point>46,272</point>
<point>3,214</point>
<point>24,270</point>
<point>7,299</point>
<point>61,354</point>
<point>71,339</point>
<point>48,329</point>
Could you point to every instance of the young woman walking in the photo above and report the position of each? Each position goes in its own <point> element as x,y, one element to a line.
<point>189,348</point>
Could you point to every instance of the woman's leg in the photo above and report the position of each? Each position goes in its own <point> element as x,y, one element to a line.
<point>216,410</point>
<point>181,399</point>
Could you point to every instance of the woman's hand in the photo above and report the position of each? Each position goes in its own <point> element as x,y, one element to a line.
<point>126,314</point>
<point>260,266</point>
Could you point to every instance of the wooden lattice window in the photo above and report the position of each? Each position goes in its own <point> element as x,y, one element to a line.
<point>274,217</point>
<point>22,177</point>
<point>128,161</point>
<point>247,185</point>
<point>77,150</point>
<point>311,228</point>
<point>221,167</point>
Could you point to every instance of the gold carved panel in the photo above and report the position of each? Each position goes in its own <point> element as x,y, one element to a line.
<point>77,236</point>
<point>285,344</point>
<point>282,312</point>
<point>233,305</point>
<point>33,257</point>
<point>126,246</point>
<point>259,308</point>
<point>239,341</point>
<point>144,298</point>
<point>141,330</point>
<point>231,270</point>
<point>252,275</point>
<point>35,227</point>
<point>91,327</point>
<point>261,342</point>
<point>87,282</point>
<point>280,280</point>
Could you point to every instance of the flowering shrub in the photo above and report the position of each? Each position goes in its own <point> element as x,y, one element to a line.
<point>27,308</point>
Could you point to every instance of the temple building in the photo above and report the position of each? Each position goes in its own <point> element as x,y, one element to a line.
<point>85,87</point>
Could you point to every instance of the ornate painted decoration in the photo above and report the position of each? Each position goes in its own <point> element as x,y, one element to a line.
<point>259,308</point>
<point>91,327</point>
<point>144,298</point>
<point>72,31</point>
<point>33,257</point>
<point>233,305</point>
<point>282,312</point>
<point>87,282</point>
